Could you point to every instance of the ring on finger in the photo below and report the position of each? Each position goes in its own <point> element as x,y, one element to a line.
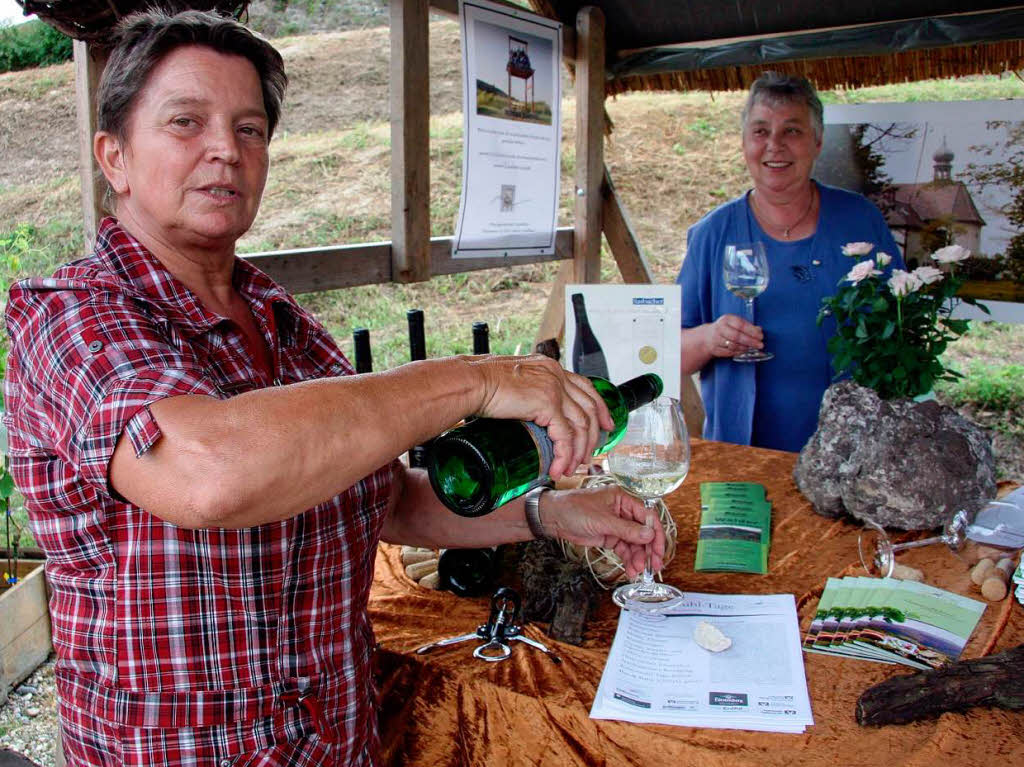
<point>727,343</point>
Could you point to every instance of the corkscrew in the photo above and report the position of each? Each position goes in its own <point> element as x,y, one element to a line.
<point>501,628</point>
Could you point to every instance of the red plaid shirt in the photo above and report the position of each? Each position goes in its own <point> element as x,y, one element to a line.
<point>211,647</point>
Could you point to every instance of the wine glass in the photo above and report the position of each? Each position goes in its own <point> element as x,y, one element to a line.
<point>650,461</point>
<point>745,270</point>
<point>878,552</point>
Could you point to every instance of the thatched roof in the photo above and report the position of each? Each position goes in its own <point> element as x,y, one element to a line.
<point>714,45</point>
<point>92,20</point>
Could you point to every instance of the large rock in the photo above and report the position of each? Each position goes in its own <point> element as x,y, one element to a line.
<point>900,463</point>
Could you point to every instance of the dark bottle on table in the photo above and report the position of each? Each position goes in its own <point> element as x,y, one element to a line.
<point>470,572</point>
<point>587,354</point>
<point>364,357</point>
<point>417,351</point>
<point>467,572</point>
<point>481,338</point>
<point>478,466</point>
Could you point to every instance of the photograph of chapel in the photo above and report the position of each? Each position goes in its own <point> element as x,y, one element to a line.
<point>950,177</point>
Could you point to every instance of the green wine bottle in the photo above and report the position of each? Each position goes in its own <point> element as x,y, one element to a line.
<point>485,463</point>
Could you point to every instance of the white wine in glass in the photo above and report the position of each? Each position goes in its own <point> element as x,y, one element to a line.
<point>651,460</point>
<point>745,271</point>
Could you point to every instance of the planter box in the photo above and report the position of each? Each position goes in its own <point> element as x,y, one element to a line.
<point>25,639</point>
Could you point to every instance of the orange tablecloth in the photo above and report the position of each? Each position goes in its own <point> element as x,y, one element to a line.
<point>447,708</point>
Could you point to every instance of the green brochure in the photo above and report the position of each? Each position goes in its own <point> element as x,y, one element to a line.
<point>892,621</point>
<point>735,528</point>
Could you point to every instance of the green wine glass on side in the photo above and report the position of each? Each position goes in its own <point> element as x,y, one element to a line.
<point>650,461</point>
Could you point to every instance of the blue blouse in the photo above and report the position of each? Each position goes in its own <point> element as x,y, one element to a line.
<point>775,403</point>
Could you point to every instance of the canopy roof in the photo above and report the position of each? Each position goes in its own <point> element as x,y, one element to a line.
<point>715,45</point>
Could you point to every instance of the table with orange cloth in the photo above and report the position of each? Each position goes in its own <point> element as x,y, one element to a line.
<point>447,708</point>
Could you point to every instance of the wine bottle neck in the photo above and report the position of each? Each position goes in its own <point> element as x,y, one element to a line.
<point>641,390</point>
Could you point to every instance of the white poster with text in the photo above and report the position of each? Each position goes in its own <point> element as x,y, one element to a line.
<point>512,132</point>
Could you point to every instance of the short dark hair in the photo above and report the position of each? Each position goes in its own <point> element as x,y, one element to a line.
<point>142,40</point>
<point>774,87</point>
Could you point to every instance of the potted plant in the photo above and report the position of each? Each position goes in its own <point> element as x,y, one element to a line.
<point>892,332</point>
<point>880,454</point>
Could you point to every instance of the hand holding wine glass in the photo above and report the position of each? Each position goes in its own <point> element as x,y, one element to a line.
<point>745,271</point>
<point>651,460</point>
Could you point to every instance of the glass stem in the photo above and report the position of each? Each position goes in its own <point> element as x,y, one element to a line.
<point>648,576</point>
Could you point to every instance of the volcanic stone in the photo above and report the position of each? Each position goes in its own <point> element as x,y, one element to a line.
<point>900,463</point>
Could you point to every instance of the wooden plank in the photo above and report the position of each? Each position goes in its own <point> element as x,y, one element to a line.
<point>552,323</point>
<point>621,239</point>
<point>25,638</point>
<point>89,63</point>
<point>589,143</point>
<point>307,270</point>
<point>451,8</point>
<point>993,290</point>
<point>410,142</point>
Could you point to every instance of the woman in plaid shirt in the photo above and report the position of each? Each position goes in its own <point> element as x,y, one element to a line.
<point>207,476</point>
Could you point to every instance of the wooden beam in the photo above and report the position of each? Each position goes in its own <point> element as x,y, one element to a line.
<point>410,142</point>
<point>589,143</point>
<point>89,63</point>
<point>552,323</point>
<point>307,270</point>
<point>621,238</point>
<point>451,8</point>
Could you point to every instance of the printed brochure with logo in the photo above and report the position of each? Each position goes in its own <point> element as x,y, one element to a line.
<point>735,528</point>
<point>892,621</point>
<point>657,673</point>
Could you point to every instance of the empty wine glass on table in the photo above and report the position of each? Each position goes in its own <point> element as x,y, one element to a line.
<point>745,271</point>
<point>651,460</point>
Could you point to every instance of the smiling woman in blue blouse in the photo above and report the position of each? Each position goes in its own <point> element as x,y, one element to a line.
<point>803,225</point>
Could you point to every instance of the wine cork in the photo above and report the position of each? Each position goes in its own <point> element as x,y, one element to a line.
<point>981,571</point>
<point>431,580</point>
<point>419,569</point>
<point>412,554</point>
<point>995,587</point>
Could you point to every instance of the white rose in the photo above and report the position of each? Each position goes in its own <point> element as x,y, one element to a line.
<point>927,274</point>
<point>857,248</point>
<point>901,283</point>
<point>883,259</point>
<point>861,270</point>
<point>951,254</point>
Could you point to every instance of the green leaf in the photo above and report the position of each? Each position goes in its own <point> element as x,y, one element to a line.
<point>6,485</point>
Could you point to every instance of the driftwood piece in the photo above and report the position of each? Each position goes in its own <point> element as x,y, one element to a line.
<point>995,680</point>
<point>555,590</point>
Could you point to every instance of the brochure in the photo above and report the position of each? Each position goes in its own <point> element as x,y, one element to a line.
<point>892,621</point>
<point>657,673</point>
<point>735,528</point>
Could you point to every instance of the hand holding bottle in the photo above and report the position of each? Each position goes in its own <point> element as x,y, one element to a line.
<point>538,389</point>
<point>605,516</point>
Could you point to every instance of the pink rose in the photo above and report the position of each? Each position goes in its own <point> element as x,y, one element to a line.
<point>951,254</point>
<point>927,274</point>
<point>861,270</point>
<point>901,283</point>
<point>857,248</point>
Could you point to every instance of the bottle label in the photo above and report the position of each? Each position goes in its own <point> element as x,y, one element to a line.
<point>545,449</point>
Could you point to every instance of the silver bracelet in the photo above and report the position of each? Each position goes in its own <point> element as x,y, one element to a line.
<point>532,505</point>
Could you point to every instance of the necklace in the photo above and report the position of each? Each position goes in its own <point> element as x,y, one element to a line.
<point>787,229</point>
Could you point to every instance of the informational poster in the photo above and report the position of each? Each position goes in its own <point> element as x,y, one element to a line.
<point>512,132</point>
<point>941,173</point>
<point>619,332</point>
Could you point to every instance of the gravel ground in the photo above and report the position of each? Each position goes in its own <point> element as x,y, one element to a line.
<point>28,721</point>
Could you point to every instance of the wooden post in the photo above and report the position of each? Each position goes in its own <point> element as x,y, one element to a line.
<point>621,239</point>
<point>410,142</point>
<point>589,143</point>
<point>89,63</point>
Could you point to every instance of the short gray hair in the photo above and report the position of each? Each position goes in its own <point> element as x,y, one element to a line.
<point>143,40</point>
<point>774,88</point>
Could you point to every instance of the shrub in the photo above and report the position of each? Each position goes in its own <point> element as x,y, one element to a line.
<point>32,44</point>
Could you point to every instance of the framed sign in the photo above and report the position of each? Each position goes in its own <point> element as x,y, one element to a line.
<point>619,332</point>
